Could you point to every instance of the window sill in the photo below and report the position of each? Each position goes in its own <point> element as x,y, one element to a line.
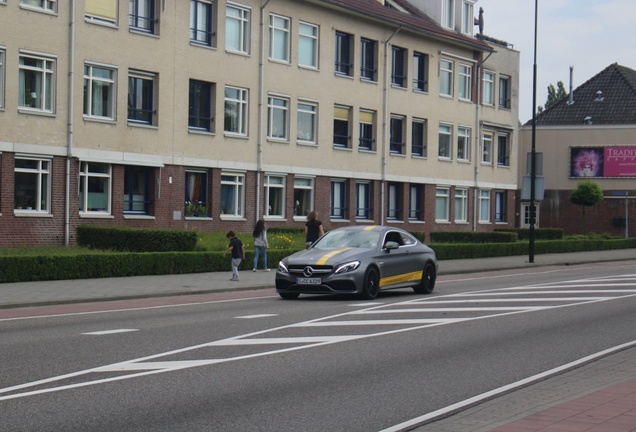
<point>36,9</point>
<point>416,221</point>
<point>202,45</point>
<point>368,81</point>
<point>231,218</point>
<point>138,217</point>
<point>31,213</point>
<point>339,148</point>
<point>306,143</point>
<point>419,157</point>
<point>142,125</point>
<point>397,155</point>
<point>239,53</point>
<point>339,220</point>
<point>235,135</point>
<point>87,215</point>
<point>368,151</point>
<point>200,132</point>
<point>41,113</point>
<point>394,221</point>
<point>100,120</point>
<point>141,32</point>
<point>197,218</point>
<point>277,140</point>
<point>97,21</point>
<point>308,68</point>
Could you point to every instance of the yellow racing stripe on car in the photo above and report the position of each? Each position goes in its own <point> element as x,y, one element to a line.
<point>323,259</point>
<point>406,277</point>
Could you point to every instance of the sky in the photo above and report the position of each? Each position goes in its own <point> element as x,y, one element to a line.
<point>586,34</point>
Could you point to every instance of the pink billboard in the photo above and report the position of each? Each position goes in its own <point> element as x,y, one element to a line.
<point>611,161</point>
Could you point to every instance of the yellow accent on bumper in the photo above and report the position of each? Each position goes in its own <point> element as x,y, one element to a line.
<point>406,277</point>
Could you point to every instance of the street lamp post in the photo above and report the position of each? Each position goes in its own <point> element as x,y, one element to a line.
<point>533,152</point>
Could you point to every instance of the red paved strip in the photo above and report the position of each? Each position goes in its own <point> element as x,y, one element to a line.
<point>609,410</point>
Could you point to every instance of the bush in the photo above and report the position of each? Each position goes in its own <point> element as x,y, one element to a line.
<point>135,239</point>
<point>473,237</point>
<point>539,233</point>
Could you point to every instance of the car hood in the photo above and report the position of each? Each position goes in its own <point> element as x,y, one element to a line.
<point>326,256</point>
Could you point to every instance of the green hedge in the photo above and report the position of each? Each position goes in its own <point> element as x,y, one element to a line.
<point>539,233</point>
<point>135,239</point>
<point>473,237</point>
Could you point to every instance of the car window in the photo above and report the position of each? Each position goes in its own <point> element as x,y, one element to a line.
<point>348,239</point>
<point>393,236</point>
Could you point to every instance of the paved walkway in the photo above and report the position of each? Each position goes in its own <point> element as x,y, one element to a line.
<point>599,396</point>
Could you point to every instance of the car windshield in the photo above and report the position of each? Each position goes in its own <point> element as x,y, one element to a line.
<point>348,239</point>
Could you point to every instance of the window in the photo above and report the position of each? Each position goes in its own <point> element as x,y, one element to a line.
<point>141,15</point>
<point>448,13</point>
<point>468,20</point>
<point>196,194</point>
<point>235,116</point>
<point>32,185</point>
<point>442,197</point>
<point>484,206</point>
<point>279,38</point>
<point>465,79</point>
<point>200,116</point>
<point>47,5</point>
<point>397,142</point>
<point>367,130</point>
<point>486,147</point>
<point>2,77</point>
<point>141,108</point>
<point>418,137</point>
<point>275,196</point>
<point>237,29</point>
<point>446,78</point>
<point>344,56</point>
<point>201,22</point>
<point>504,92</point>
<point>232,194</point>
<point>398,67</point>
<point>363,201</point>
<point>463,143</point>
<point>303,196</point>
<point>489,88</point>
<point>368,56</point>
<point>277,118</point>
<point>420,72</point>
<point>461,205</point>
<point>95,188</point>
<point>416,202</point>
<point>102,11</point>
<point>341,122</point>
<point>308,45</point>
<point>338,208</point>
<point>37,83</point>
<point>394,201</point>
<point>99,92</point>
<point>500,207</point>
<point>445,135</point>
<point>306,118</point>
<point>137,183</point>
<point>503,150</point>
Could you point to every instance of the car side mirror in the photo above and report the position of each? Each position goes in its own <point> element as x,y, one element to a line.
<point>391,245</point>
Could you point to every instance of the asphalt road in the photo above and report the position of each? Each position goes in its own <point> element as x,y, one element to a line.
<point>315,364</point>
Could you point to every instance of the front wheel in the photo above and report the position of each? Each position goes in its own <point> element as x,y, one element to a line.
<point>289,296</point>
<point>371,286</point>
<point>427,283</point>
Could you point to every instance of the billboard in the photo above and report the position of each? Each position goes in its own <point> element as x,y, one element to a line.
<point>610,161</point>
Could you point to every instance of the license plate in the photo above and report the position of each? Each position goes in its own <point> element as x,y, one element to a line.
<point>308,281</point>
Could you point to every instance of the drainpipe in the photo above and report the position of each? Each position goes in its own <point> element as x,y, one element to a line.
<point>69,148</point>
<point>261,98</point>
<point>385,128</point>
<point>479,73</point>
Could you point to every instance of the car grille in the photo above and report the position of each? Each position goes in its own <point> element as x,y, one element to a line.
<point>307,271</point>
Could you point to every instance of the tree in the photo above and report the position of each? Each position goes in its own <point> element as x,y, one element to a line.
<point>588,193</point>
<point>554,95</point>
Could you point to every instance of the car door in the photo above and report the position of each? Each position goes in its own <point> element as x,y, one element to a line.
<point>399,267</point>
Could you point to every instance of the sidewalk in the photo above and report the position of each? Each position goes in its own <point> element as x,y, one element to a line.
<point>599,396</point>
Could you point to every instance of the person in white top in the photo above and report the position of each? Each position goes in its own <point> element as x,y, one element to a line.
<point>260,244</point>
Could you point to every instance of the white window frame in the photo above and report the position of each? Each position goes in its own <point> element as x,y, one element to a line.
<point>237,28</point>
<point>42,172</point>
<point>464,91</point>
<point>489,88</point>
<point>368,59</point>
<point>484,206</point>
<point>394,201</point>
<point>416,203</point>
<point>45,75</point>
<point>463,143</point>
<point>363,200</point>
<point>305,186</point>
<point>235,181</point>
<point>468,19</point>
<point>445,141</point>
<point>308,48</point>
<point>274,184</point>
<point>307,112</point>
<point>84,177</point>
<point>110,83</point>
<point>338,199</point>
<point>2,75</point>
<point>239,102</point>
<point>446,78</point>
<point>279,30</point>
<point>45,5</point>
<point>448,13</point>
<point>487,140</point>
<point>461,205</point>
<point>277,111</point>
<point>442,204</point>
<point>144,76</point>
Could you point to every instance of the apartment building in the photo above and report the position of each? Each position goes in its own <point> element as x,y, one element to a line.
<point>209,115</point>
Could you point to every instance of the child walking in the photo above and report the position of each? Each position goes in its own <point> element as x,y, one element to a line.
<point>238,253</point>
<point>260,244</point>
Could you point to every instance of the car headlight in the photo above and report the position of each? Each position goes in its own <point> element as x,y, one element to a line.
<point>347,267</point>
<point>282,267</point>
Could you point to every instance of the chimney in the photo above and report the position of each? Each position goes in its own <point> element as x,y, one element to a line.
<point>571,99</point>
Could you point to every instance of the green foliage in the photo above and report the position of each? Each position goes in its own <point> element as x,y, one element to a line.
<point>135,239</point>
<point>473,237</point>
<point>539,233</point>
<point>586,194</point>
<point>420,235</point>
<point>555,94</point>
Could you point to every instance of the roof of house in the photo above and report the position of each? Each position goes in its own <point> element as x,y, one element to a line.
<point>608,98</point>
<point>413,19</point>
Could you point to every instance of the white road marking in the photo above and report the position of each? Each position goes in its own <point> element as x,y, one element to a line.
<point>107,332</point>
<point>256,316</point>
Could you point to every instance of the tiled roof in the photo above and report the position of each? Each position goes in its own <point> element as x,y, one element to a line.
<point>608,98</point>
<point>414,20</point>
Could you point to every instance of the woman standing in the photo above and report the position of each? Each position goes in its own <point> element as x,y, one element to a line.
<point>260,244</point>
<point>313,228</point>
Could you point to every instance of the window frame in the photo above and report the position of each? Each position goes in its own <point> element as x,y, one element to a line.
<point>446,78</point>
<point>394,201</point>
<point>131,182</point>
<point>110,82</point>
<point>277,111</point>
<point>3,55</point>
<point>272,191</point>
<point>463,143</point>
<point>398,66</point>
<point>397,134</point>
<point>504,92</point>
<point>501,213</point>
<point>442,204</point>
<point>461,205</point>
<point>202,26</point>
<point>366,130</point>
<point>363,198</point>
<point>148,105</point>
<point>489,88</point>
<point>279,35</point>
<point>232,181</point>
<point>448,14</point>
<point>487,142</point>
<point>368,59</point>
<point>304,190</point>
<point>484,205</point>
<point>42,75</point>
<point>340,140</point>
<point>468,19</point>
<point>338,199</point>
<point>195,118</point>
<point>88,177</point>
<point>416,203</point>
<point>503,149</point>
<point>419,149</point>
<point>344,54</point>
<point>196,207</point>
<point>43,174</point>
<point>308,41</point>
<point>307,112</point>
<point>136,18</point>
<point>445,141</point>
<point>95,13</point>
<point>49,6</point>
<point>420,72</point>
<point>241,30</point>
<point>240,103</point>
<point>464,88</point>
